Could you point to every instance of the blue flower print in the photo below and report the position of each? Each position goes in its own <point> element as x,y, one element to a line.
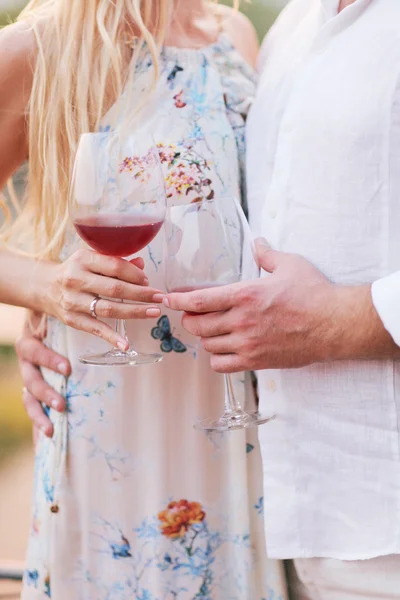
<point>32,577</point>
<point>163,332</point>
<point>172,76</point>
<point>260,506</point>
<point>48,488</point>
<point>122,550</point>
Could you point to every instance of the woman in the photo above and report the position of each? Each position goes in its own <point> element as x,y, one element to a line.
<point>129,501</point>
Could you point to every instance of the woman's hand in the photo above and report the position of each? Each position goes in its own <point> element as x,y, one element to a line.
<point>67,290</point>
<point>32,356</point>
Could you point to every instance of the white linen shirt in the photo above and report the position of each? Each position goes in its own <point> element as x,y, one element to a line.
<point>324,182</point>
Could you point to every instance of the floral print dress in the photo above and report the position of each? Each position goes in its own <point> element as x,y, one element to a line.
<point>130,501</point>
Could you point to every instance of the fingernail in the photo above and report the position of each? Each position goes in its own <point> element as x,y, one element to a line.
<point>158,297</point>
<point>146,281</point>
<point>166,302</point>
<point>56,404</point>
<point>153,312</point>
<point>123,346</point>
<point>62,368</point>
<point>42,428</point>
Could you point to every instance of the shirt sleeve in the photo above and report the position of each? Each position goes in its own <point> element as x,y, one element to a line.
<point>386,300</point>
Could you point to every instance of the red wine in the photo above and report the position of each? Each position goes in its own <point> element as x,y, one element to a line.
<point>118,235</point>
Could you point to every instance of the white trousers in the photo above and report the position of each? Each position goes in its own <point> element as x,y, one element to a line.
<point>328,579</point>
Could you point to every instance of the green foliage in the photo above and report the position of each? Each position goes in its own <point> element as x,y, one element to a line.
<point>8,17</point>
<point>15,427</point>
<point>258,12</point>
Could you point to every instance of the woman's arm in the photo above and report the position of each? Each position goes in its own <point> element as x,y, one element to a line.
<point>66,290</point>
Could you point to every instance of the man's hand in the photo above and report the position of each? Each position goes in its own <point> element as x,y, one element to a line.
<point>292,318</point>
<point>32,355</point>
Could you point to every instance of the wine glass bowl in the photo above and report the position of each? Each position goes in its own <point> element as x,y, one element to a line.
<point>117,204</point>
<point>209,244</point>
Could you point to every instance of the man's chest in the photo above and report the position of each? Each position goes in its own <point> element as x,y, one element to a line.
<point>329,123</point>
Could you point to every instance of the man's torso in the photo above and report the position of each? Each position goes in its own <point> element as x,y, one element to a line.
<point>326,123</point>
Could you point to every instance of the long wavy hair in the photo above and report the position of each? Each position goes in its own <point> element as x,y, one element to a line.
<point>84,50</point>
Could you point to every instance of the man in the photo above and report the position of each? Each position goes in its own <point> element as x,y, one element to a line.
<point>324,324</point>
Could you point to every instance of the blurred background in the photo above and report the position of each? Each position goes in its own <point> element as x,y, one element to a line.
<point>16,455</point>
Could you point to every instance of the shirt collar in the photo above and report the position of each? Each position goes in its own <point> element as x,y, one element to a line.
<point>331,8</point>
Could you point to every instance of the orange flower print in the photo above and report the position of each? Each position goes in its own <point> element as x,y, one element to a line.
<point>47,587</point>
<point>179,103</point>
<point>176,520</point>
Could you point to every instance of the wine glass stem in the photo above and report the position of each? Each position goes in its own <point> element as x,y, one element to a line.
<point>232,405</point>
<point>120,328</point>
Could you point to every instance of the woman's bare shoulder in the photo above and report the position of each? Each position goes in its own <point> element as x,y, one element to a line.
<point>17,51</point>
<point>241,32</point>
<point>17,55</point>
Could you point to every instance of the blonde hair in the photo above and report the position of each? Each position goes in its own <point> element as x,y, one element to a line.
<point>84,49</point>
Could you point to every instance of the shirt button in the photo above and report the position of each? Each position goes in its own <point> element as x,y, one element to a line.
<point>273,213</point>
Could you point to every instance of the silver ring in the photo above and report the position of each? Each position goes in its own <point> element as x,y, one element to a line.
<point>93,306</point>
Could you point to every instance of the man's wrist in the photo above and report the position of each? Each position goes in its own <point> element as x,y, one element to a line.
<point>357,331</point>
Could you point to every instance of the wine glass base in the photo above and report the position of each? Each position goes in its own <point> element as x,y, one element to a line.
<point>116,358</point>
<point>232,422</point>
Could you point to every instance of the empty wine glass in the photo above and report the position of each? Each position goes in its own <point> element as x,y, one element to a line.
<point>117,204</point>
<point>209,244</point>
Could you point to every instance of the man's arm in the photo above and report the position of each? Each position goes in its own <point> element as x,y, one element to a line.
<point>292,318</point>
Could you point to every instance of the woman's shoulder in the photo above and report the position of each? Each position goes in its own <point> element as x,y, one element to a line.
<point>17,42</point>
<point>18,48</point>
<point>241,32</point>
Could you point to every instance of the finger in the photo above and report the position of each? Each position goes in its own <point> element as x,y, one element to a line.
<point>227,363</point>
<point>114,288</point>
<point>104,331</point>
<point>209,325</point>
<point>267,258</point>
<point>203,301</point>
<point>96,327</point>
<point>35,352</point>
<point>218,345</point>
<point>109,309</point>
<point>36,325</point>
<point>36,415</point>
<point>138,262</point>
<point>114,267</point>
<point>35,435</point>
<point>38,388</point>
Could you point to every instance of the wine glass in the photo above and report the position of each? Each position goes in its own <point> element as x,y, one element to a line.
<point>117,204</point>
<point>209,244</point>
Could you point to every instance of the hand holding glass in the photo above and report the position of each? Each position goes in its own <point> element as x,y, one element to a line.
<point>209,244</point>
<point>117,205</point>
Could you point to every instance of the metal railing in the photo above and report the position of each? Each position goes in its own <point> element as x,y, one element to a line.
<point>10,574</point>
